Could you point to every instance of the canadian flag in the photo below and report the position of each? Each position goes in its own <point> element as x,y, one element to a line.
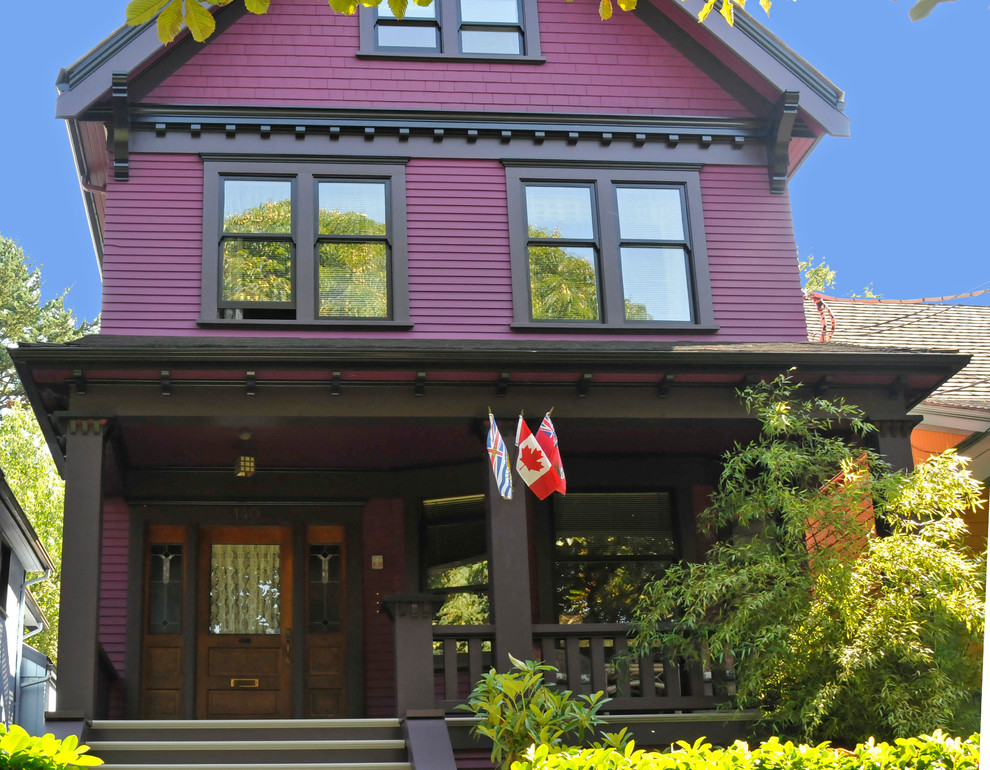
<point>533,464</point>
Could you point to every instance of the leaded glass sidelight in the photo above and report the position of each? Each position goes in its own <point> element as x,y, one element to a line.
<point>165,589</point>
<point>324,587</point>
<point>245,589</point>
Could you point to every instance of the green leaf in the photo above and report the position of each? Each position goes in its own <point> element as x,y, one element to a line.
<point>199,20</point>
<point>141,11</point>
<point>398,8</point>
<point>627,5</point>
<point>170,21</point>
<point>605,9</point>
<point>348,7</point>
<point>257,6</point>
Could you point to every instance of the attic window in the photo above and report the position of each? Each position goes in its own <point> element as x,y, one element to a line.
<point>472,29</point>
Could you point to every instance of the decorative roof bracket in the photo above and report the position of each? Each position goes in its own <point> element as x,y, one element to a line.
<point>778,142</point>
<point>121,127</point>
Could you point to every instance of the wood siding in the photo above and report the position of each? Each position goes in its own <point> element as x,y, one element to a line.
<point>384,524</point>
<point>301,53</point>
<point>113,582</point>
<point>460,281</point>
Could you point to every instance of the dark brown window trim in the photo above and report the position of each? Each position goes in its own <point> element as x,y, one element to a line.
<point>305,175</point>
<point>604,178</point>
<point>449,21</point>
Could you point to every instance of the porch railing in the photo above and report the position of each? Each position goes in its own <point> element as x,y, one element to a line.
<point>438,666</point>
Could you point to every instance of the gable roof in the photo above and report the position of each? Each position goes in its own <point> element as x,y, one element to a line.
<point>922,326</point>
<point>136,50</point>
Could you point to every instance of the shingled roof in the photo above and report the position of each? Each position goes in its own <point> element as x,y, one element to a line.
<point>922,326</point>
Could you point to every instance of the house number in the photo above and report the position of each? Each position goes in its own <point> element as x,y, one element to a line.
<point>247,514</point>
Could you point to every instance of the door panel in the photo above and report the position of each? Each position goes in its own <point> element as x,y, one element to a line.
<point>245,623</point>
<point>326,692</point>
<point>162,631</point>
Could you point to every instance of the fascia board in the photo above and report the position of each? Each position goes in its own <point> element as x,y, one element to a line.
<point>776,63</point>
<point>137,46</point>
<point>953,418</point>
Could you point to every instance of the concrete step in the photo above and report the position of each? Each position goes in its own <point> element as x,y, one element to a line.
<point>342,744</point>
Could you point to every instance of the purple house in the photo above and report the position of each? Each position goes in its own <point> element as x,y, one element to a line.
<point>329,244</point>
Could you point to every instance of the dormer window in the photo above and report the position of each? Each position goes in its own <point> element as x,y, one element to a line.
<point>467,29</point>
<point>308,243</point>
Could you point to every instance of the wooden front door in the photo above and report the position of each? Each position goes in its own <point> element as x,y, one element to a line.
<point>245,625</point>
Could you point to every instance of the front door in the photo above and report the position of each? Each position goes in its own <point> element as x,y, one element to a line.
<point>245,624</point>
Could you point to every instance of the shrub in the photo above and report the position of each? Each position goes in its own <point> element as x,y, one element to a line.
<point>518,708</point>
<point>21,751</point>
<point>926,753</point>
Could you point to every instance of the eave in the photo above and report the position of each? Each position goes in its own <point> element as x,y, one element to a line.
<point>20,534</point>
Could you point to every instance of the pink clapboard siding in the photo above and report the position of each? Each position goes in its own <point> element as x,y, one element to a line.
<point>113,582</point>
<point>303,54</point>
<point>459,274</point>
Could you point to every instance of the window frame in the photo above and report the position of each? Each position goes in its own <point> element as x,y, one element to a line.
<point>305,238</point>
<point>450,25</point>
<point>604,182</point>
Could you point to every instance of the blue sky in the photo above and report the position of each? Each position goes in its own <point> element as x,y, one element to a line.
<point>902,204</point>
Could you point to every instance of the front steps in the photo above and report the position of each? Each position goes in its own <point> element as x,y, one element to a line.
<point>250,744</point>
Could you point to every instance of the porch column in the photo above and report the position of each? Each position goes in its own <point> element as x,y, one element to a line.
<point>508,568</point>
<point>894,442</point>
<point>79,600</point>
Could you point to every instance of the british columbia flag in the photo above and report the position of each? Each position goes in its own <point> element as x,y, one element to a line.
<point>499,457</point>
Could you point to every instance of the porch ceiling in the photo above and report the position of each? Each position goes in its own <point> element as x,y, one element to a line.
<point>396,444</point>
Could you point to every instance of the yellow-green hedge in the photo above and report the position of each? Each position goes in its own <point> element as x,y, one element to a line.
<point>930,752</point>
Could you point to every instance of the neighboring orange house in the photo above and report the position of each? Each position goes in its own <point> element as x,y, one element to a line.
<point>957,414</point>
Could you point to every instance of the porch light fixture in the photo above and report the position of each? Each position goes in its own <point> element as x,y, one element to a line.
<point>245,464</point>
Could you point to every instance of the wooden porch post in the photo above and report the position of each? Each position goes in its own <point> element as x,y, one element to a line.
<point>508,567</point>
<point>79,600</point>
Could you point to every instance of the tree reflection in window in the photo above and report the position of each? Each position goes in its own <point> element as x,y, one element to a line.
<point>607,546</point>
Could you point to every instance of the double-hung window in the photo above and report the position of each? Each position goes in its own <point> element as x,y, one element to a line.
<point>486,29</point>
<point>607,248</point>
<point>310,244</point>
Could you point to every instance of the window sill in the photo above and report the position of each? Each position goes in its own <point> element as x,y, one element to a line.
<point>579,327</point>
<point>219,323</point>
<point>433,56</point>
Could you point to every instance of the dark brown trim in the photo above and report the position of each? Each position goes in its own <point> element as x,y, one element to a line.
<point>603,182</point>
<point>121,128</point>
<point>305,178</point>
<point>779,142</point>
<point>449,24</point>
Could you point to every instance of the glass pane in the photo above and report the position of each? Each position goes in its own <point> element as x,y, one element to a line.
<point>650,214</point>
<point>325,587</point>
<point>656,286</point>
<point>563,283</point>
<point>559,212</point>
<point>490,10</point>
<point>245,589</point>
<point>354,280</point>
<point>496,41</point>
<point>257,207</point>
<point>399,35</point>
<point>256,271</point>
<point>352,208</point>
<point>165,589</point>
<point>603,525</point>
<point>602,592</point>
<point>413,11</point>
<point>462,608</point>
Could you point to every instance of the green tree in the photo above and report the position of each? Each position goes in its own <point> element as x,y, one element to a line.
<point>30,471</point>
<point>353,273</point>
<point>821,278</point>
<point>24,317</point>
<point>24,457</point>
<point>173,14</point>
<point>836,634</point>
